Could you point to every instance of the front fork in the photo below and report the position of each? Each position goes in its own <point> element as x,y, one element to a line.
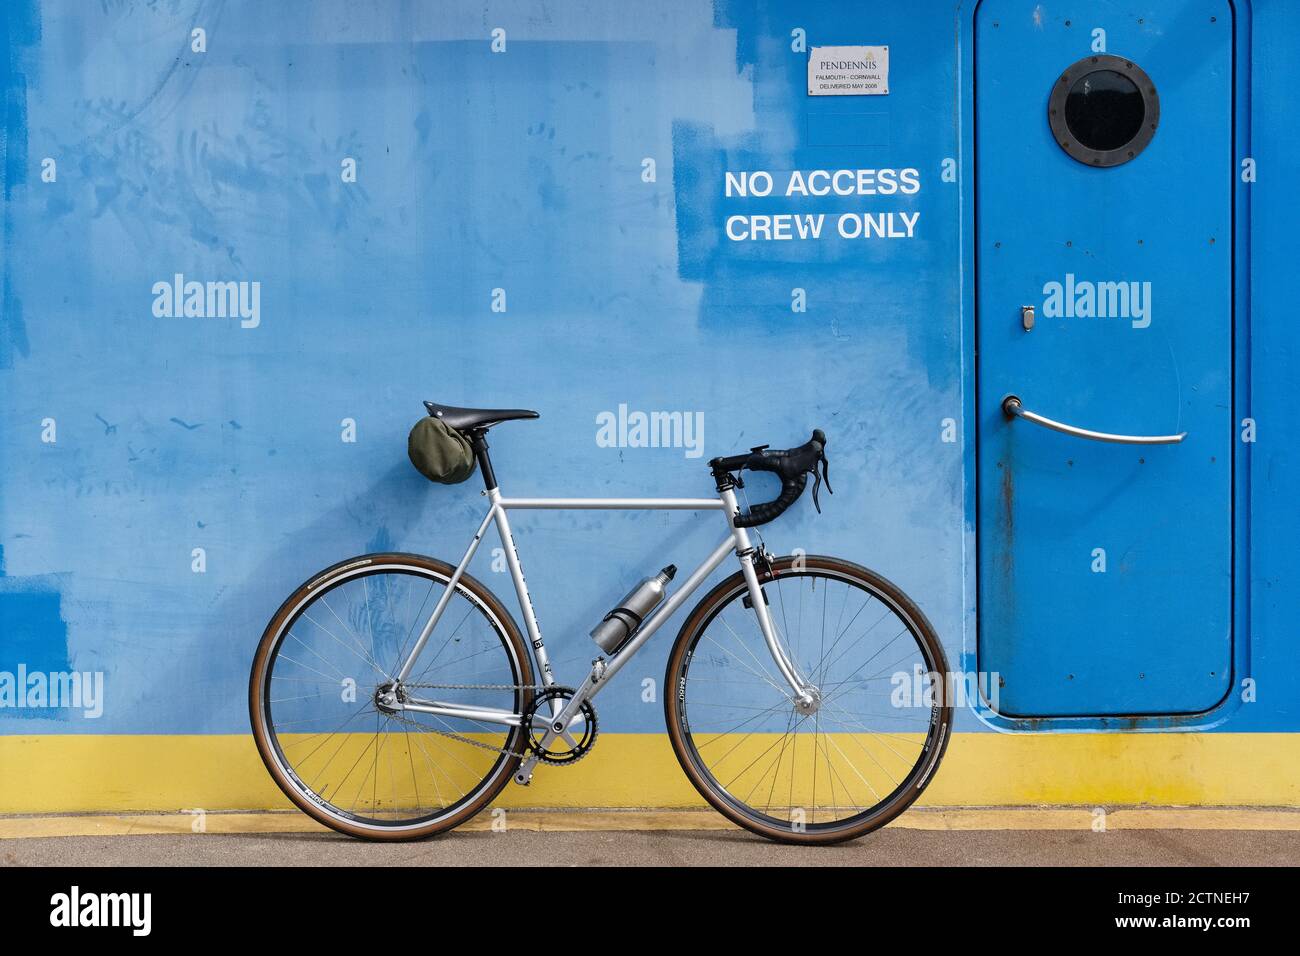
<point>807,698</point>
<point>804,694</point>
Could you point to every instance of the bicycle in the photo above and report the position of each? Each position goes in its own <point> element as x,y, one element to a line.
<point>769,711</point>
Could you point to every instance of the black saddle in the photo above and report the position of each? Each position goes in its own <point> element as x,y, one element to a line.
<point>467,419</point>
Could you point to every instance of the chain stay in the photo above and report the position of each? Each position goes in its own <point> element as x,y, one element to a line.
<point>461,737</point>
<point>478,686</point>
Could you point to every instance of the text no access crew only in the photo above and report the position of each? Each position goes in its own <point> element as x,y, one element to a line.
<point>810,226</point>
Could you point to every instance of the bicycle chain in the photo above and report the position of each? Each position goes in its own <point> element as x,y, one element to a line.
<point>455,736</point>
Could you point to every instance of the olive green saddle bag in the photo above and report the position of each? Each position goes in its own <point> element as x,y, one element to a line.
<point>439,452</point>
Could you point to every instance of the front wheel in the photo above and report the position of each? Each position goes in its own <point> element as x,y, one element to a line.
<point>854,760</point>
<point>322,682</point>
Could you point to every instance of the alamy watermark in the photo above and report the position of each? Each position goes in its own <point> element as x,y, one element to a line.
<point>74,908</point>
<point>920,688</point>
<point>190,299</point>
<point>41,690</point>
<point>1084,299</point>
<point>636,429</point>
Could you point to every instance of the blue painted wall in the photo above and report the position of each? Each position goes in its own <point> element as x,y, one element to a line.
<point>520,171</point>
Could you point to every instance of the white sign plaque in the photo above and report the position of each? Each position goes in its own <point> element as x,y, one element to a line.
<point>848,71</point>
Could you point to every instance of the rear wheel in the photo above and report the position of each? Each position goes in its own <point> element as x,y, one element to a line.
<point>852,762</point>
<point>317,698</point>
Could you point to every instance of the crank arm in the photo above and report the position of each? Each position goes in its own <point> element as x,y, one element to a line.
<point>566,718</point>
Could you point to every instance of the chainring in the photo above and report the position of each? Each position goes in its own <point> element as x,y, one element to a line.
<point>537,721</point>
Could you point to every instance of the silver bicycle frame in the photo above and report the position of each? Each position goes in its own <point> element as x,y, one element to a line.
<point>736,541</point>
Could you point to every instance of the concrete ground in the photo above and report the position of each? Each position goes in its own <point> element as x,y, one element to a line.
<point>897,847</point>
<point>989,837</point>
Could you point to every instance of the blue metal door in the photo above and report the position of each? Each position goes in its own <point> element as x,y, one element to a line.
<point>1104,185</point>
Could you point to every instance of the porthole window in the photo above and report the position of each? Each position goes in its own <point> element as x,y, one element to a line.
<point>1103,110</point>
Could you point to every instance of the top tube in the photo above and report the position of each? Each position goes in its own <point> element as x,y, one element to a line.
<point>611,504</point>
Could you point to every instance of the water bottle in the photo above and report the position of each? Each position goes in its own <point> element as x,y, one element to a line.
<point>621,623</point>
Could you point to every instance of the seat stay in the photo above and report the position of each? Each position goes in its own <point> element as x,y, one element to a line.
<point>409,664</point>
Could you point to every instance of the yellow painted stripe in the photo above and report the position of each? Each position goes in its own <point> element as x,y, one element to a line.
<point>424,770</point>
<point>568,821</point>
<point>111,774</point>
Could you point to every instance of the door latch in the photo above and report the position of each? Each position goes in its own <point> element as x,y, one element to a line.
<point>1027,316</point>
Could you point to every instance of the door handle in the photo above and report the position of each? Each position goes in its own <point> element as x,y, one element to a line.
<point>1012,407</point>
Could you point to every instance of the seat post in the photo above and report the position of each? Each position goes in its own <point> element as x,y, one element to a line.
<point>478,442</point>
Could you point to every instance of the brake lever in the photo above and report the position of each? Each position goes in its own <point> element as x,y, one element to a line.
<point>824,475</point>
